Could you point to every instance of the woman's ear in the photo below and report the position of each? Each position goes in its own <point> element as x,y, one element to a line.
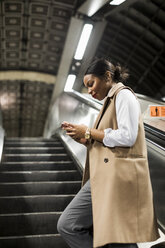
<point>108,76</point>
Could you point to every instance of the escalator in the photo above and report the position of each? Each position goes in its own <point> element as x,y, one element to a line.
<point>38,179</point>
<point>80,108</point>
<point>156,155</point>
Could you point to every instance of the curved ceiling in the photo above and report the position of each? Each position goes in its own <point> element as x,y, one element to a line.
<point>33,37</point>
<point>33,33</point>
<point>135,37</point>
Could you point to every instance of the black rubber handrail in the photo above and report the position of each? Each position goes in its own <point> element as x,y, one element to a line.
<point>154,134</point>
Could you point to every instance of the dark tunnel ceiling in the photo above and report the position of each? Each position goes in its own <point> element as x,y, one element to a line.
<point>33,35</point>
<point>135,37</point>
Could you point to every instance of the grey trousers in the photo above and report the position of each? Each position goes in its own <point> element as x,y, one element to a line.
<point>75,223</point>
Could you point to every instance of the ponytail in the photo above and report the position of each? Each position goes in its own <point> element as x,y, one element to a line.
<point>99,67</point>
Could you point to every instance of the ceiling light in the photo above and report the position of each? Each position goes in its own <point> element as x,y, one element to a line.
<point>7,100</point>
<point>163,98</point>
<point>70,82</point>
<point>87,29</point>
<point>116,2</point>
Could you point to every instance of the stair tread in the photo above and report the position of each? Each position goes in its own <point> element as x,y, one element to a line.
<point>28,138</point>
<point>34,192</point>
<point>47,182</point>
<point>34,165</point>
<point>35,196</point>
<point>35,241</point>
<point>40,172</point>
<point>39,188</point>
<point>41,144</point>
<point>37,162</point>
<point>39,175</point>
<point>36,203</point>
<point>29,223</point>
<point>37,154</point>
<point>34,148</point>
<point>37,142</point>
<point>31,236</point>
<point>31,213</point>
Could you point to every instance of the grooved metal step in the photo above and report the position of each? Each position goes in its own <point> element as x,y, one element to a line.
<point>39,188</point>
<point>35,203</point>
<point>33,241</point>
<point>37,165</point>
<point>32,144</point>
<point>34,150</point>
<point>29,223</point>
<point>31,140</point>
<point>33,176</point>
<point>35,157</point>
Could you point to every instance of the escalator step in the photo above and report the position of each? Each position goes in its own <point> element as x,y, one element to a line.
<point>39,188</point>
<point>28,223</point>
<point>33,241</point>
<point>34,176</point>
<point>33,144</point>
<point>32,139</point>
<point>37,165</point>
<point>35,157</point>
<point>35,203</point>
<point>33,150</point>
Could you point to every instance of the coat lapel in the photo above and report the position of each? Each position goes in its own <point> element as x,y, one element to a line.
<point>101,112</point>
<point>106,102</point>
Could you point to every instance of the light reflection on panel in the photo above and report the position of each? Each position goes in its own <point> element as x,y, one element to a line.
<point>79,109</point>
<point>70,109</point>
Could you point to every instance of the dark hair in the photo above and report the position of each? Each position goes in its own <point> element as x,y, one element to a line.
<point>99,67</point>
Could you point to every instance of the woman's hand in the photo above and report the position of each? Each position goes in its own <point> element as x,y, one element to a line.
<point>75,131</point>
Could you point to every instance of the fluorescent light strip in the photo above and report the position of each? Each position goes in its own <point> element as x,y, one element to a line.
<point>86,32</point>
<point>117,2</point>
<point>70,82</point>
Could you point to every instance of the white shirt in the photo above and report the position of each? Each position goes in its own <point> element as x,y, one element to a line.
<point>127,112</point>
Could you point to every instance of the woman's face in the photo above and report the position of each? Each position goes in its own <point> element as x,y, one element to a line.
<point>97,87</point>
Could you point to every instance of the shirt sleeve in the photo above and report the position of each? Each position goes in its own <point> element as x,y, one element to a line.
<point>127,112</point>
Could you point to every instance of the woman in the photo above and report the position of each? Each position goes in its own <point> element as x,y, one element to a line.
<point>116,197</point>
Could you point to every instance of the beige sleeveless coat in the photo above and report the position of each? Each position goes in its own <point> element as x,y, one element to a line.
<point>122,199</point>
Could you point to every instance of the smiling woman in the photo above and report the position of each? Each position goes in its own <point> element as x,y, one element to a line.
<point>116,199</point>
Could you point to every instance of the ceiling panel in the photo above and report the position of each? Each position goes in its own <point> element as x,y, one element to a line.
<point>29,27</point>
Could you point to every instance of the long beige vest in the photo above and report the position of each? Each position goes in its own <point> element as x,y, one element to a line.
<point>122,198</point>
